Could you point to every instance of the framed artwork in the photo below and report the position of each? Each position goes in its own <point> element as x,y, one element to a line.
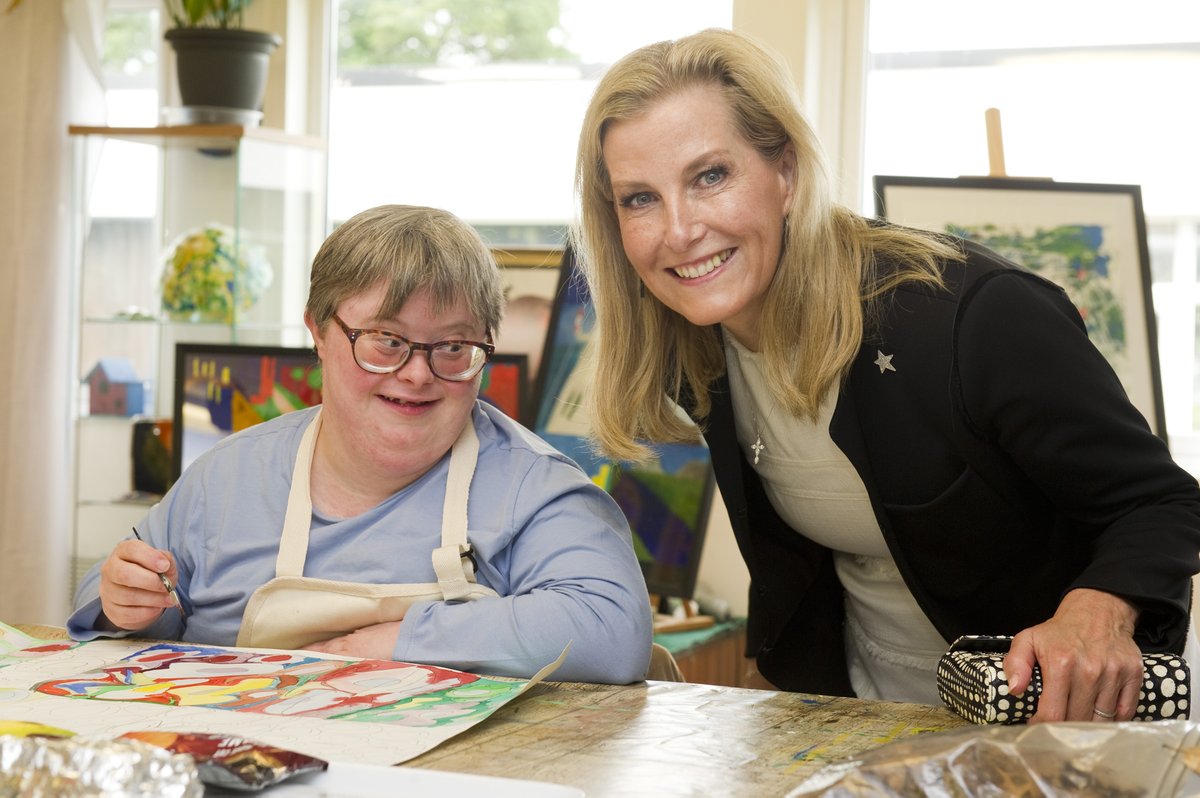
<point>667,503</point>
<point>530,278</point>
<point>223,388</point>
<point>505,384</point>
<point>1088,238</point>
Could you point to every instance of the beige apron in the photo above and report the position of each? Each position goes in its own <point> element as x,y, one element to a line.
<point>293,610</point>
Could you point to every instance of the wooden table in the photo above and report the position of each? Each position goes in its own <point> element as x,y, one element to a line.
<point>667,738</point>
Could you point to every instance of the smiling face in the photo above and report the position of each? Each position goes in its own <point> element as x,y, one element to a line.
<point>392,428</point>
<point>700,210</point>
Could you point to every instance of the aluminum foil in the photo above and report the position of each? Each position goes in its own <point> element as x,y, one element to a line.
<point>91,767</point>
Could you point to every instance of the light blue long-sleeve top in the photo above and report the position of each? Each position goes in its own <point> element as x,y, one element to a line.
<point>552,544</point>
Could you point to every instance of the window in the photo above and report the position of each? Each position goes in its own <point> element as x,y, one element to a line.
<point>123,202</point>
<point>474,106</point>
<point>1085,96</point>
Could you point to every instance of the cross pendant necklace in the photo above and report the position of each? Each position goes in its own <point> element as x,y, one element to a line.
<point>758,447</point>
<point>758,443</point>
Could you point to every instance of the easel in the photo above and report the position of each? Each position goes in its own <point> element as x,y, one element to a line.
<point>692,619</point>
<point>995,147</point>
<point>995,143</point>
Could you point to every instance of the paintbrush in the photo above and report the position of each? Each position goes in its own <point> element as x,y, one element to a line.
<point>167,584</point>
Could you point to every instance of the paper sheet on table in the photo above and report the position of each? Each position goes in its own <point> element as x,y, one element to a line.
<point>17,647</point>
<point>372,712</point>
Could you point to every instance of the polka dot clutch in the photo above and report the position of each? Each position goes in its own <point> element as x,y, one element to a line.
<point>971,680</point>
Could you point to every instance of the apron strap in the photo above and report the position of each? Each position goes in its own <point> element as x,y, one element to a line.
<point>463,456</point>
<point>453,562</point>
<point>293,544</point>
<point>454,572</point>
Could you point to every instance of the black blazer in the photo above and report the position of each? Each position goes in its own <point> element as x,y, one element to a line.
<point>1005,466</point>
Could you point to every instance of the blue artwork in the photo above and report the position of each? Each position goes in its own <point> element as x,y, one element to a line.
<point>1071,255</point>
<point>666,503</point>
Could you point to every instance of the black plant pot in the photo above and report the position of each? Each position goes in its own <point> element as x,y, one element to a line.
<point>221,67</point>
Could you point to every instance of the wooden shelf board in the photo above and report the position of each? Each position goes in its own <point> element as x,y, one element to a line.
<point>189,135</point>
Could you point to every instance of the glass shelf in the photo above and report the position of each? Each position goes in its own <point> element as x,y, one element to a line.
<point>138,193</point>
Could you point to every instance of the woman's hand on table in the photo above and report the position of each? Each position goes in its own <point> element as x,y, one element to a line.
<point>1091,668</point>
<point>132,595</point>
<point>370,642</point>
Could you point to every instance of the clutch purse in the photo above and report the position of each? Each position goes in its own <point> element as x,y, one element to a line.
<point>971,680</point>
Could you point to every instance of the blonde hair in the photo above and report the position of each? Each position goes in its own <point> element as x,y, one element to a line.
<point>646,356</point>
<point>407,248</point>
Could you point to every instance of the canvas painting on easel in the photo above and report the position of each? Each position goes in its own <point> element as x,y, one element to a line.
<point>1088,238</point>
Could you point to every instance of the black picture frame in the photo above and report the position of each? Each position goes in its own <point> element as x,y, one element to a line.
<point>270,381</point>
<point>667,504</point>
<point>1089,238</point>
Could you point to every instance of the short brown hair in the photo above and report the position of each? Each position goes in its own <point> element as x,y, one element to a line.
<point>408,249</point>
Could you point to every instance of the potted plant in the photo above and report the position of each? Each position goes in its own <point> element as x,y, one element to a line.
<point>218,63</point>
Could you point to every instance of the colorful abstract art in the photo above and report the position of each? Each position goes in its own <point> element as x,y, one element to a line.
<point>666,501</point>
<point>292,684</point>
<point>366,712</point>
<point>221,389</point>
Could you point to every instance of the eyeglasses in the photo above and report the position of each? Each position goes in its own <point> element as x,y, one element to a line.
<point>381,352</point>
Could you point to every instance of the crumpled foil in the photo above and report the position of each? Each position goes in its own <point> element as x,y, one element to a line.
<point>91,767</point>
<point>1050,760</point>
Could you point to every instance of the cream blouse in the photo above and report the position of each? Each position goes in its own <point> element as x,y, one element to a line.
<point>891,647</point>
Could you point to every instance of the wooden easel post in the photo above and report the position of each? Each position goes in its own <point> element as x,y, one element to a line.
<point>995,143</point>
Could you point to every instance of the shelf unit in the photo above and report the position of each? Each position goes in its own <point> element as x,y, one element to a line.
<point>137,191</point>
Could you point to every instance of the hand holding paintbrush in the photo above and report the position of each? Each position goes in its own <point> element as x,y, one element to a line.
<point>167,584</point>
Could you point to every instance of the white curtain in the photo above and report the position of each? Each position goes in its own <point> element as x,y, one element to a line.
<point>48,57</point>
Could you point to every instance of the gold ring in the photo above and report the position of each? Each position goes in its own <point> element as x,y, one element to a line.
<point>1103,714</point>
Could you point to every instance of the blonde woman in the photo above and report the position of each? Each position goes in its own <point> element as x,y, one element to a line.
<point>913,437</point>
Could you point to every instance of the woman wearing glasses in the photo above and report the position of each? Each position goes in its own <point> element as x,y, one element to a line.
<point>402,519</point>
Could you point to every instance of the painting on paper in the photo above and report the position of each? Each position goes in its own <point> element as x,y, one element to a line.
<point>371,712</point>
<point>1088,238</point>
<point>291,684</point>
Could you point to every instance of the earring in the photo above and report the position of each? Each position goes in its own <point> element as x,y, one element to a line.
<point>641,290</point>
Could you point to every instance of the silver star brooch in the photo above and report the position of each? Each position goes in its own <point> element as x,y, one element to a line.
<point>884,362</point>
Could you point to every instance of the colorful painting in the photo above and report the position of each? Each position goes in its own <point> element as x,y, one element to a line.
<point>667,502</point>
<point>363,712</point>
<point>221,389</point>
<point>1073,256</point>
<point>1088,238</point>
<point>284,683</point>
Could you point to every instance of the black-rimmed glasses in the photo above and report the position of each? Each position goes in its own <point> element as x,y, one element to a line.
<point>381,352</point>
